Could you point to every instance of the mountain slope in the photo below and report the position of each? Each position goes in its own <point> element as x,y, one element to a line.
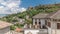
<point>31,11</point>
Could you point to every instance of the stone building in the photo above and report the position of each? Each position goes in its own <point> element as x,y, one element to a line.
<point>5,27</point>
<point>49,21</point>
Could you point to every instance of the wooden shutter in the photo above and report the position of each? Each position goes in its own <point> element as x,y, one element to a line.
<point>58,25</point>
<point>49,24</point>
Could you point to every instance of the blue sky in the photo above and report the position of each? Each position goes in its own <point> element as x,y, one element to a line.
<point>27,3</point>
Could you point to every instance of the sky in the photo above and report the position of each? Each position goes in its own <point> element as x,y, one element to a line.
<point>15,6</point>
<point>27,3</point>
<point>10,6</point>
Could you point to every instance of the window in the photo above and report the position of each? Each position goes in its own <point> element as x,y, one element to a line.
<point>54,19</point>
<point>39,22</point>
<point>35,22</point>
<point>58,25</point>
<point>49,24</point>
<point>46,22</point>
<point>58,20</point>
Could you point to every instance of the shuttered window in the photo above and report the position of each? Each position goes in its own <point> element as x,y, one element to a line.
<point>45,22</point>
<point>49,24</point>
<point>58,25</point>
<point>35,21</point>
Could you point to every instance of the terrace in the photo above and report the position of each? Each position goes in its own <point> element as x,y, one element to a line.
<point>27,26</point>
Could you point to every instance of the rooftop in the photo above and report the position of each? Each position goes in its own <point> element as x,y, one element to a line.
<point>54,15</point>
<point>4,24</point>
<point>40,15</point>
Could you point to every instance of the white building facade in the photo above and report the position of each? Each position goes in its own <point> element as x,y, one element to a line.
<point>50,21</point>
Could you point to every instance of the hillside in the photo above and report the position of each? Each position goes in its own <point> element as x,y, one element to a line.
<point>31,11</point>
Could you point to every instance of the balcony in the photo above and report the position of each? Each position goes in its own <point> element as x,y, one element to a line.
<point>35,27</point>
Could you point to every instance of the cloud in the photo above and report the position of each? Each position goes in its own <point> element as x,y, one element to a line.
<point>10,6</point>
<point>23,9</point>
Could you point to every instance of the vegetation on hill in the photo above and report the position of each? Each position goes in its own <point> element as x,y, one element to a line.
<point>31,11</point>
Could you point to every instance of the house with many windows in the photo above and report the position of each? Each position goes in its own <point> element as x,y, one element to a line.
<point>50,21</point>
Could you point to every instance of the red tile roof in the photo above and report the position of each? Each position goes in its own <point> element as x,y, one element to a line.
<point>18,29</point>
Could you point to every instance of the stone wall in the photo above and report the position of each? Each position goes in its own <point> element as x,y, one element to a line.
<point>5,30</point>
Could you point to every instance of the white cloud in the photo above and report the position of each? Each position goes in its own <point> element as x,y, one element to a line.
<point>23,9</point>
<point>10,6</point>
<point>1,7</point>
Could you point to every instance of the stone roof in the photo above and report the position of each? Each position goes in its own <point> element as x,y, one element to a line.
<point>4,24</point>
<point>54,15</point>
<point>40,15</point>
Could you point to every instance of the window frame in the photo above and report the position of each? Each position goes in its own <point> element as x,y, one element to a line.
<point>58,25</point>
